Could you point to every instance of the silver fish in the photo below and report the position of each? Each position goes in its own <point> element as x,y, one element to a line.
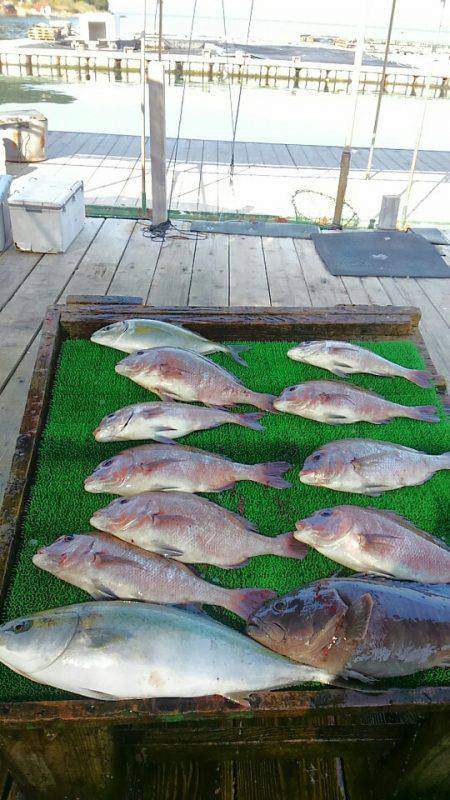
<point>123,650</point>
<point>358,628</point>
<point>344,358</point>
<point>338,403</point>
<point>368,466</point>
<point>164,422</point>
<point>190,529</point>
<point>109,569</point>
<point>140,334</point>
<point>176,374</point>
<point>376,541</point>
<point>172,467</point>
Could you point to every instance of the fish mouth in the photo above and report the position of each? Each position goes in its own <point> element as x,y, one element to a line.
<point>100,435</point>
<point>307,475</point>
<point>279,404</point>
<point>122,369</point>
<point>92,484</point>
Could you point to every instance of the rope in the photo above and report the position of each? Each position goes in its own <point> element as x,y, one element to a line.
<point>158,233</point>
<point>239,95</point>
<point>181,108</point>
<point>228,72</point>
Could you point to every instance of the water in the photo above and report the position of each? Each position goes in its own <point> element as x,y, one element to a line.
<point>267,114</point>
<point>17,27</point>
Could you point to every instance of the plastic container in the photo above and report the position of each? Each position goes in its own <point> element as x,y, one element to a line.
<point>5,219</point>
<point>46,216</point>
<point>24,134</point>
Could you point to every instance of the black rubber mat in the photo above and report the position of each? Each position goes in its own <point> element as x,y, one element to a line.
<point>293,230</point>
<point>393,254</point>
<point>433,235</point>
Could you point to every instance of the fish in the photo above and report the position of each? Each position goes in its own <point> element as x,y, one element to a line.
<point>338,403</point>
<point>191,529</point>
<point>164,422</point>
<point>369,466</point>
<point>110,569</point>
<point>344,358</point>
<point>121,650</point>
<point>151,467</point>
<point>358,628</point>
<point>176,374</point>
<point>376,541</point>
<point>141,334</point>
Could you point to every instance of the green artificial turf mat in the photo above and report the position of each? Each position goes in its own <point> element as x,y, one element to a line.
<point>86,388</point>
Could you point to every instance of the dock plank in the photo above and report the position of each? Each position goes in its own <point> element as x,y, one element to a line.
<point>137,265</point>
<point>172,278</point>
<point>324,289</point>
<point>15,267</point>
<point>287,285</point>
<point>210,272</point>
<point>22,316</point>
<point>248,277</point>
<point>97,269</point>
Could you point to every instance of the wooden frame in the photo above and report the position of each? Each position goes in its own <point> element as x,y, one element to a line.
<point>39,739</point>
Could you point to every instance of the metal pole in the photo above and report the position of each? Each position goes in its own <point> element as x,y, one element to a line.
<point>381,89</point>
<point>412,168</point>
<point>346,152</point>
<point>143,99</point>
<point>160,29</point>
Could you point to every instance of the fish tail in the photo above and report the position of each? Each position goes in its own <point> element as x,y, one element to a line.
<point>420,378</point>
<point>443,461</point>
<point>235,349</point>
<point>262,401</point>
<point>424,413</point>
<point>244,602</point>
<point>250,420</point>
<point>286,545</point>
<point>270,474</point>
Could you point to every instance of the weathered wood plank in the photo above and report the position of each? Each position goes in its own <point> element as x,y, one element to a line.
<point>98,266</point>
<point>22,316</point>
<point>287,285</point>
<point>355,290</point>
<point>248,277</point>
<point>324,289</point>
<point>12,404</point>
<point>14,269</point>
<point>210,273</point>
<point>288,780</point>
<point>182,780</point>
<point>172,278</point>
<point>137,265</point>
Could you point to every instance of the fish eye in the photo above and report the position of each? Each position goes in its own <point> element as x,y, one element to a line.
<point>279,605</point>
<point>69,538</point>
<point>23,626</point>
<point>124,500</point>
<point>140,352</point>
<point>290,389</point>
<point>327,513</point>
<point>317,457</point>
<point>107,463</point>
<point>109,416</point>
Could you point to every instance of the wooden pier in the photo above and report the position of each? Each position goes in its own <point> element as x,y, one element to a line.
<point>329,77</point>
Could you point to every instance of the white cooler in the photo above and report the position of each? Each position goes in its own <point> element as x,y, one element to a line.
<point>46,216</point>
<point>5,219</point>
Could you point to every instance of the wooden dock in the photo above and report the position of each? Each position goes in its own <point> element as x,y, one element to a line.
<point>269,178</point>
<point>112,257</point>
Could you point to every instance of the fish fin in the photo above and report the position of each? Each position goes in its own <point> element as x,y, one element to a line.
<point>376,542</point>
<point>358,618</point>
<point>286,545</point>
<point>249,526</point>
<point>96,638</point>
<point>159,437</point>
<point>338,372</point>
<point>166,398</point>
<point>350,675</point>
<point>235,566</point>
<point>96,695</point>
<point>163,549</point>
<point>223,488</point>
<point>103,593</point>
<point>235,349</point>
<point>269,474</point>
<point>336,419</point>
<point>238,699</point>
<point>420,378</point>
<point>191,608</point>
<point>406,523</point>
<point>424,413</point>
<point>375,491</point>
<point>379,421</point>
<point>244,602</point>
<point>250,420</point>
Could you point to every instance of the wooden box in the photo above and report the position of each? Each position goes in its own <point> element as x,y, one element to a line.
<point>330,743</point>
